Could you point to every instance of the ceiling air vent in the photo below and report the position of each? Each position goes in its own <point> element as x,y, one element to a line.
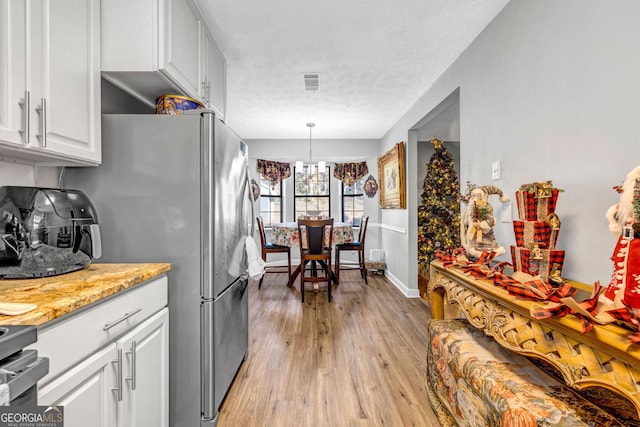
<point>311,81</point>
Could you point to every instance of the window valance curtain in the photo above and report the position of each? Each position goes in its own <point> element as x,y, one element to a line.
<point>349,173</point>
<point>273,171</point>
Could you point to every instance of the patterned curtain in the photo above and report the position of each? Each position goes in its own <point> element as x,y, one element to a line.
<point>349,173</point>
<point>274,172</point>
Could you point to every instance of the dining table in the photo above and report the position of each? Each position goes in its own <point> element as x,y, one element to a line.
<point>287,234</point>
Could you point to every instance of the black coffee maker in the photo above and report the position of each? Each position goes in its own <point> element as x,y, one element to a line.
<point>46,232</point>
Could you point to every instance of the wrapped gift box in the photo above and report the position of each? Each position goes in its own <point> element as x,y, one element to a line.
<point>533,207</point>
<point>526,261</point>
<point>530,232</point>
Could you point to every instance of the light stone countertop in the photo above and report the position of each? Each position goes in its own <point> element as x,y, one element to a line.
<point>56,296</point>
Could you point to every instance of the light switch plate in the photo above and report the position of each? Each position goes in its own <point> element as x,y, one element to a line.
<point>496,170</point>
<point>505,213</point>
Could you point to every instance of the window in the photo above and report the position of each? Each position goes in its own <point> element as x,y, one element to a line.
<point>270,202</point>
<point>312,195</point>
<point>353,202</point>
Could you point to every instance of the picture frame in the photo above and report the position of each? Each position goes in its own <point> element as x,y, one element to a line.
<point>391,174</point>
<point>370,186</point>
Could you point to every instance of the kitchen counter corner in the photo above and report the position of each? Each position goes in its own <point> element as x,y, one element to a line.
<point>59,295</point>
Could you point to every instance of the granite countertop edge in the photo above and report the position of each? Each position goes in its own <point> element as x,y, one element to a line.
<point>57,296</point>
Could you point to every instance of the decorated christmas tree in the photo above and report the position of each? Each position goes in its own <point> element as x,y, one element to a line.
<point>439,212</point>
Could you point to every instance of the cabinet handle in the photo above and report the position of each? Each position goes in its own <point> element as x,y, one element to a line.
<point>208,91</point>
<point>118,387</point>
<point>132,378</point>
<point>43,121</point>
<point>26,108</point>
<point>110,325</point>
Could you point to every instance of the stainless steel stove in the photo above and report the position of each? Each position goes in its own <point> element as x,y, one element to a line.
<point>20,369</point>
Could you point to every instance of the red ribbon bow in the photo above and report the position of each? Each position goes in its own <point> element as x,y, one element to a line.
<point>630,316</point>
<point>584,310</point>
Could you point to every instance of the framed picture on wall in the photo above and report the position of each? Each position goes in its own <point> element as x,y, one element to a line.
<point>391,174</point>
<point>370,186</point>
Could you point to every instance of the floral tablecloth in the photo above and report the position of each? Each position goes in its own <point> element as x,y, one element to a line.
<point>286,234</point>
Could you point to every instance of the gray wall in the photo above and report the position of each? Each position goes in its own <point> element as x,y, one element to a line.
<point>550,89</point>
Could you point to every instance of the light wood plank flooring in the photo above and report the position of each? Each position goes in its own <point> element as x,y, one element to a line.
<point>357,361</point>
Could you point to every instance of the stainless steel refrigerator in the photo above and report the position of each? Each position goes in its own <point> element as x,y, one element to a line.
<point>176,189</point>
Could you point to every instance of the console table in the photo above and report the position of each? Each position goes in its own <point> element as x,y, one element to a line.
<point>596,363</point>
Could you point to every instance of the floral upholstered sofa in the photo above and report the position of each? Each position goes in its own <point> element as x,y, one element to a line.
<point>473,381</point>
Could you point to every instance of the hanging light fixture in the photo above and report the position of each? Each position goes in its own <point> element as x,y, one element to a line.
<point>311,168</point>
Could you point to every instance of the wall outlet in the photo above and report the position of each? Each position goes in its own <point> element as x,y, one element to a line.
<point>496,170</point>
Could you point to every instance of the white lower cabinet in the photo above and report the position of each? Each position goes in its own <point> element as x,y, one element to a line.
<point>124,380</point>
<point>145,376</point>
<point>85,392</point>
<point>126,383</point>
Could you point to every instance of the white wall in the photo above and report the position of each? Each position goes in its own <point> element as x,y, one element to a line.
<point>12,173</point>
<point>551,89</point>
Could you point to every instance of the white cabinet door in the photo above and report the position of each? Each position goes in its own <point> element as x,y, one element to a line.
<point>181,45</point>
<point>146,373</point>
<point>13,51</point>
<point>66,78</point>
<point>50,81</point>
<point>152,48</point>
<point>86,391</point>
<point>214,86</point>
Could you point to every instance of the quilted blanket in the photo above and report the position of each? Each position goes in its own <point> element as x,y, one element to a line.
<point>479,383</point>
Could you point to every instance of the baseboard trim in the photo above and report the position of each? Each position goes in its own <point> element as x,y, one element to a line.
<point>409,293</point>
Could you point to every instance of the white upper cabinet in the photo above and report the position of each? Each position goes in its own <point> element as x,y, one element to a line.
<point>214,78</point>
<point>13,48</point>
<point>152,47</point>
<point>50,81</point>
<point>180,45</point>
<point>157,47</point>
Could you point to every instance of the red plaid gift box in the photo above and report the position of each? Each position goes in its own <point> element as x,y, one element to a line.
<point>534,208</point>
<point>526,261</point>
<point>530,232</point>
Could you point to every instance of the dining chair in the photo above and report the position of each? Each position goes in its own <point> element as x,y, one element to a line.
<point>270,248</point>
<point>357,246</point>
<point>316,237</point>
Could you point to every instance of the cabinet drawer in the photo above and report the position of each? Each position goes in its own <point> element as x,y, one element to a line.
<point>70,339</point>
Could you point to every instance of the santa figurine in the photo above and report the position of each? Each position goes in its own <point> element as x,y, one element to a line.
<point>624,223</point>
<point>477,221</point>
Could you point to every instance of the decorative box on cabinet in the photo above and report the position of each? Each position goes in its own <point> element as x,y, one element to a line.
<point>111,359</point>
<point>50,81</point>
<point>156,47</point>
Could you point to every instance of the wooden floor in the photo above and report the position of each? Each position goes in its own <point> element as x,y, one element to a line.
<point>357,361</point>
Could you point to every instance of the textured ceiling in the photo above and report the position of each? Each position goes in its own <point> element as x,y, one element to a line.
<point>375,59</point>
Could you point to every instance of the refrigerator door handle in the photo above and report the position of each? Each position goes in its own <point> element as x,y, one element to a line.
<point>207,379</point>
<point>247,188</point>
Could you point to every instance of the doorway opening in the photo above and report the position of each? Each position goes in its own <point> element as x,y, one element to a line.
<point>443,123</point>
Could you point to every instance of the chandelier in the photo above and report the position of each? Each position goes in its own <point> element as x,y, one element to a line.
<point>310,168</point>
